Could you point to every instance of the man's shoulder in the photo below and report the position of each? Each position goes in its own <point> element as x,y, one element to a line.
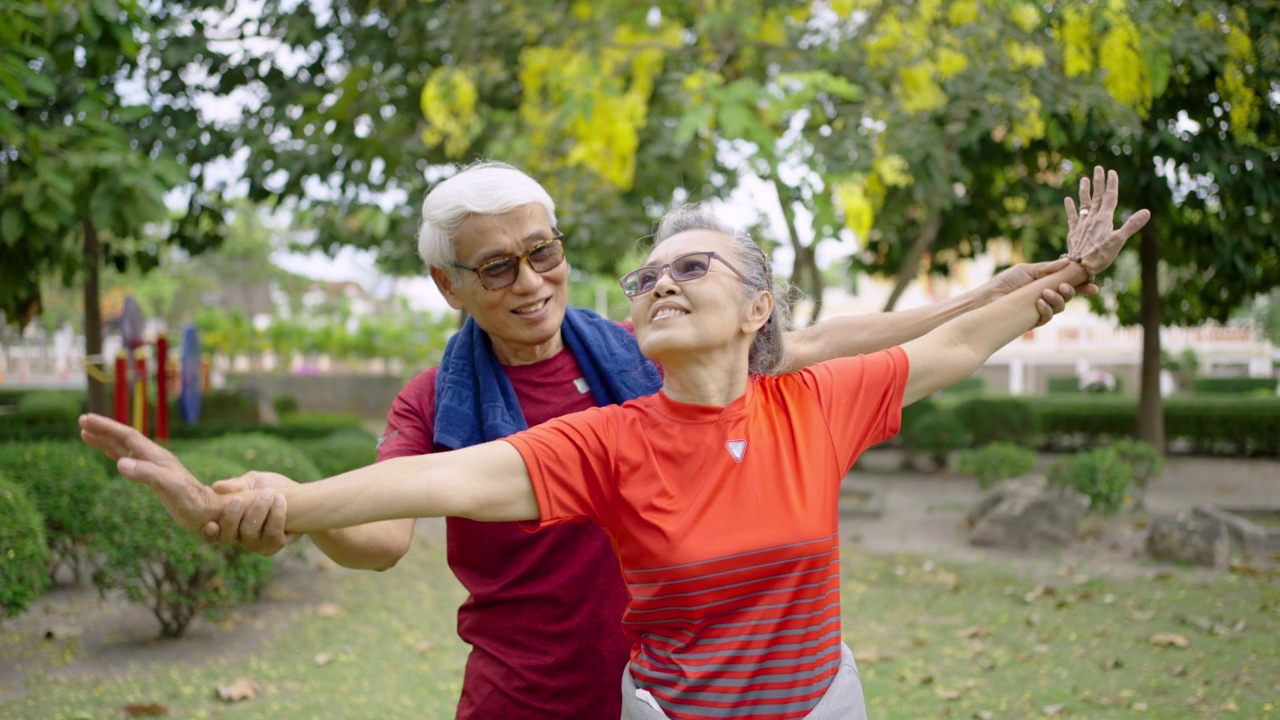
<point>421,389</point>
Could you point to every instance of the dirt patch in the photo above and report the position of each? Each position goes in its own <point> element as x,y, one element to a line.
<point>924,513</point>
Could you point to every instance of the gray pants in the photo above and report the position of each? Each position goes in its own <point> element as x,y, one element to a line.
<point>842,701</point>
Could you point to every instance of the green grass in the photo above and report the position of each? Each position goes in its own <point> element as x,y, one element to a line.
<point>959,641</point>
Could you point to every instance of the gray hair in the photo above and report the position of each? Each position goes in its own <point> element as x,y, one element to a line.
<point>768,349</point>
<point>483,188</point>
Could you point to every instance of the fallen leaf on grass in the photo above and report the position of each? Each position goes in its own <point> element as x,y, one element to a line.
<point>945,694</point>
<point>1141,615</point>
<point>1138,706</point>
<point>1229,706</point>
<point>242,689</point>
<point>1161,575</point>
<point>870,657</point>
<point>1112,663</point>
<point>1243,568</point>
<point>328,610</point>
<point>1168,639</point>
<point>144,710</point>
<point>1040,591</point>
<point>983,715</point>
<point>323,659</point>
<point>1053,710</point>
<point>424,647</point>
<point>972,631</point>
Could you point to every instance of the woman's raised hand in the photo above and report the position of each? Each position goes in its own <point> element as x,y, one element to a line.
<point>1092,239</point>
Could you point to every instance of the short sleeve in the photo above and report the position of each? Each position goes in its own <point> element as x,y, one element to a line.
<point>570,461</point>
<point>409,428</point>
<point>861,398</point>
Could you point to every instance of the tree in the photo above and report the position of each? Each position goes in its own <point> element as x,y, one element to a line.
<point>1199,147</point>
<point>83,169</point>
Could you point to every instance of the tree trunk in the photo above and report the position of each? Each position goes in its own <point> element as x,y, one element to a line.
<point>911,262</point>
<point>804,274</point>
<point>1150,404</point>
<point>97,391</point>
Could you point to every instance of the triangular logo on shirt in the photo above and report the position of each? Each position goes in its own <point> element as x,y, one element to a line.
<point>737,448</point>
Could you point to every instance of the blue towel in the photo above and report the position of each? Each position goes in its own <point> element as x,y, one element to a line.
<point>475,402</point>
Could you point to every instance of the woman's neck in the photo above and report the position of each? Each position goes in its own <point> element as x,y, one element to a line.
<point>705,383</point>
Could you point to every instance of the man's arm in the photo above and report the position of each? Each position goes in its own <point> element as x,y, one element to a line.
<point>858,334</point>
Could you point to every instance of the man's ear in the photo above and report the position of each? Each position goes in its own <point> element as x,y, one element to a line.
<point>759,312</point>
<point>444,280</point>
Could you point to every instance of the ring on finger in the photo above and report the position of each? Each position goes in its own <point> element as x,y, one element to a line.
<point>1084,213</point>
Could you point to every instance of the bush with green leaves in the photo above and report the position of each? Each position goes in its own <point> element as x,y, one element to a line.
<point>341,451</point>
<point>998,461</point>
<point>284,404</point>
<point>1101,474</point>
<point>170,570</point>
<point>1144,461</point>
<point>24,557</point>
<point>65,480</point>
<point>259,451</point>
<point>999,419</point>
<point>936,435</point>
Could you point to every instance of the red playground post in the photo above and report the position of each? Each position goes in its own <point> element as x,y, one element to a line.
<point>122,390</point>
<point>162,389</point>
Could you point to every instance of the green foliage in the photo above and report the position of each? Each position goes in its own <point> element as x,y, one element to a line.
<point>24,557</point>
<point>66,481</point>
<point>258,451</point>
<point>972,384</point>
<point>1101,474</point>
<point>340,452</point>
<point>284,404</point>
<point>315,424</point>
<point>995,462</point>
<point>1143,458</point>
<point>171,571</point>
<point>1068,385</point>
<point>1236,385</point>
<point>999,419</point>
<point>936,434</point>
<point>50,406</point>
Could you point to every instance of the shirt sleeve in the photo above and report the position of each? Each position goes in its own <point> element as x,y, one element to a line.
<point>411,420</point>
<point>861,398</point>
<point>570,461</point>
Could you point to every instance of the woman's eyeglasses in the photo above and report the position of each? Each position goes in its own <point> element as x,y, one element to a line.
<point>689,266</point>
<point>501,272</point>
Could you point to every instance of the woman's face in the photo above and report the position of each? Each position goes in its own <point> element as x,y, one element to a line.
<point>675,320</point>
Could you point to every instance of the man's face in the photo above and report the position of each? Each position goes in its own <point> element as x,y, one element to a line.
<point>522,319</point>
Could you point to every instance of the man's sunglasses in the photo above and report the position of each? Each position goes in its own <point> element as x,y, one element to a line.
<point>689,266</point>
<point>501,272</point>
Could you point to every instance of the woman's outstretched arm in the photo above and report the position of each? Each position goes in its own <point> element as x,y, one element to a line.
<point>483,482</point>
<point>957,349</point>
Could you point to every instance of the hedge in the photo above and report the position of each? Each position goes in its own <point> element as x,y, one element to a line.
<point>65,480</point>
<point>1211,385</point>
<point>258,451</point>
<point>24,557</point>
<point>170,570</point>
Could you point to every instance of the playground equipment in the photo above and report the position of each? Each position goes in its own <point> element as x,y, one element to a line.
<point>189,376</point>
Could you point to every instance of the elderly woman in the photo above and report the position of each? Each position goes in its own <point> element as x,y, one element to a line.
<point>719,493</point>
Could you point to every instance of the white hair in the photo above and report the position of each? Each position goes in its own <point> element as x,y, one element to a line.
<point>483,188</point>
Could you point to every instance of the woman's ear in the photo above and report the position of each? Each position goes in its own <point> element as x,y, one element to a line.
<point>759,312</point>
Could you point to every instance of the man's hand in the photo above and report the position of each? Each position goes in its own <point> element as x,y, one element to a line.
<point>186,500</point>
<point>1050,303</point>
<point>254,521</point>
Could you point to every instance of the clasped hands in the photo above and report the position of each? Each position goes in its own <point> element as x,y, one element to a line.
<point>249,510</point>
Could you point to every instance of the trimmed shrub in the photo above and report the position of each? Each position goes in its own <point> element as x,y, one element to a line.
<point>1100,474</point>
<point>999,419</point>
<point>171,571</point>
<point>310,425</point>
<point>340,452</point>
<point>995,462</point>
<point>65,480</point>
<point>1063,385</point>
<point>47,407</point>
<point>24,557</point>
<point>935,434</point>
<point>1143,458</point>
<point>257,451</point>
<point>1246,385</point>
<point>284,404</point>
<point>973,384</point>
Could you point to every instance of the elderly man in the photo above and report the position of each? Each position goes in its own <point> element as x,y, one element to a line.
<point>544,613</point>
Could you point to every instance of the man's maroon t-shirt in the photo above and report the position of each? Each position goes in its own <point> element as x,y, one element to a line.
<point>544,618</point>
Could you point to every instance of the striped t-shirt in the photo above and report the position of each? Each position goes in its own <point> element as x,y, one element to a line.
<point>725,522</point>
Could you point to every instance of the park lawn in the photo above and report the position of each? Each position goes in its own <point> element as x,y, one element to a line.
<point>934,640</point>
